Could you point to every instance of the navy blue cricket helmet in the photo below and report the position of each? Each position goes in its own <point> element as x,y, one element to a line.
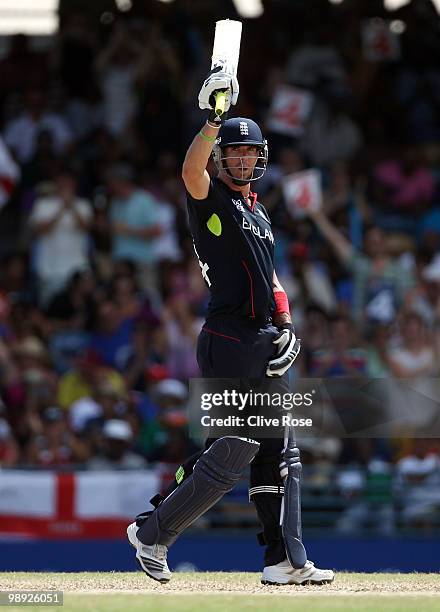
<point>241,131</point>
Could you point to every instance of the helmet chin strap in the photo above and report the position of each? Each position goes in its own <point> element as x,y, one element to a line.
<point>239,182</point>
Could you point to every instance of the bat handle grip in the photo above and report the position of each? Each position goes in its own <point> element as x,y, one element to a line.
<point>220,101</point>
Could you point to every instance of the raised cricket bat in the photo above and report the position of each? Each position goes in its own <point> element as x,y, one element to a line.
<point>226,51</point>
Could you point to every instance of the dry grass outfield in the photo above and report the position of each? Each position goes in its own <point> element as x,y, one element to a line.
<point>218,591</point>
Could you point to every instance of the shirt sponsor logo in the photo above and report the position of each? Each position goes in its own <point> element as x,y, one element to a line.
<point>238,205</point>
<point>258,231</point>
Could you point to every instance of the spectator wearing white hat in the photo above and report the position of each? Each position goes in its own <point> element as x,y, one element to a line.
<point>117,453</point>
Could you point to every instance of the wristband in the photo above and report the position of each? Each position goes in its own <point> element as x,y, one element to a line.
<point>207,138</point>
<point>216,126</point>
<point>281,303</point>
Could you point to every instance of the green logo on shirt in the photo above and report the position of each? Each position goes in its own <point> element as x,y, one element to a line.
<point>214,225</point>
<point>180,474</point>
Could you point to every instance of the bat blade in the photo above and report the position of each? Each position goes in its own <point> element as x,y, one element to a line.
<point>226,51</point>
<point>226,47</point>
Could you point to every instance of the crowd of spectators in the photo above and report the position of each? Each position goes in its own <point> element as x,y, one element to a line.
<point>101,297</point>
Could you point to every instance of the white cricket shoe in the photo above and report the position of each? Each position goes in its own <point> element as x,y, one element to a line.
<point>284,573</point>
<point>151,559</point>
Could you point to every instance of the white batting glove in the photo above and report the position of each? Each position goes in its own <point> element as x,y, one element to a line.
<point>288,348</point>
<point>216,80</point>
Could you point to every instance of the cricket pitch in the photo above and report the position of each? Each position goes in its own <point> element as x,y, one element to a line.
<point>217,591</point>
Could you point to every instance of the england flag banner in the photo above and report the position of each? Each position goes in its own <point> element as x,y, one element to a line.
<point>73,505</point>
<point>302,192</point>
<point>289,110</point>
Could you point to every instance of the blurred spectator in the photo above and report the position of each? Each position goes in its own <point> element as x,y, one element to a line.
<point>61,226</point>
<point>403,188</point>
<point>82,412</point>
<point>342,357</point>
<point>126,295</point>
<point>165,437</point>
<point>16,283</point>
<point>74,304</point>
<point>111,337</point>
<point>379,283</point>
<point>12,391</point>
<point>173,452</point>
<point>330,134</point>
<point>21,134</point>
<point>30,385</point>
<point>182,329</point>
<point>415,357</point>
<point>31,357</point>
<point>80,381</point>
<point>118,439</point>
<point>165,412</point>
<point>315,333</point>
<point>105,403</point>
<point>143,354</point>
<point>368,493</point>
<point>166,246</point>
<point>69,314</point>
<point>378,350</point>
<point>345,202</point>
<point>39,170</point>
<point>404,184</point>
<point>55,445</point>
<point>134,223</point>
<point>120,66</point>
<point>417,485</point>
<point>424,298</point>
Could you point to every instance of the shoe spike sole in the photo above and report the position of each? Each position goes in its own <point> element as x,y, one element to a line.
<point>305,583</point>
<point>162,581</point>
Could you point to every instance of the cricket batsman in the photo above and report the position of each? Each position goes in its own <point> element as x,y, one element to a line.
<point>248,334</point>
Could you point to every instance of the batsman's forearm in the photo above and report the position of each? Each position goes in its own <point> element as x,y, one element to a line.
<point>280,318</point>
<point>198,154</point>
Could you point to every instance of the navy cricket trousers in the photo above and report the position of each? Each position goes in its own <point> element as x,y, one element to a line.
<point>232,348</point>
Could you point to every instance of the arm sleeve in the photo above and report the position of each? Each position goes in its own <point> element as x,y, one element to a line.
<point>203,209</point>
